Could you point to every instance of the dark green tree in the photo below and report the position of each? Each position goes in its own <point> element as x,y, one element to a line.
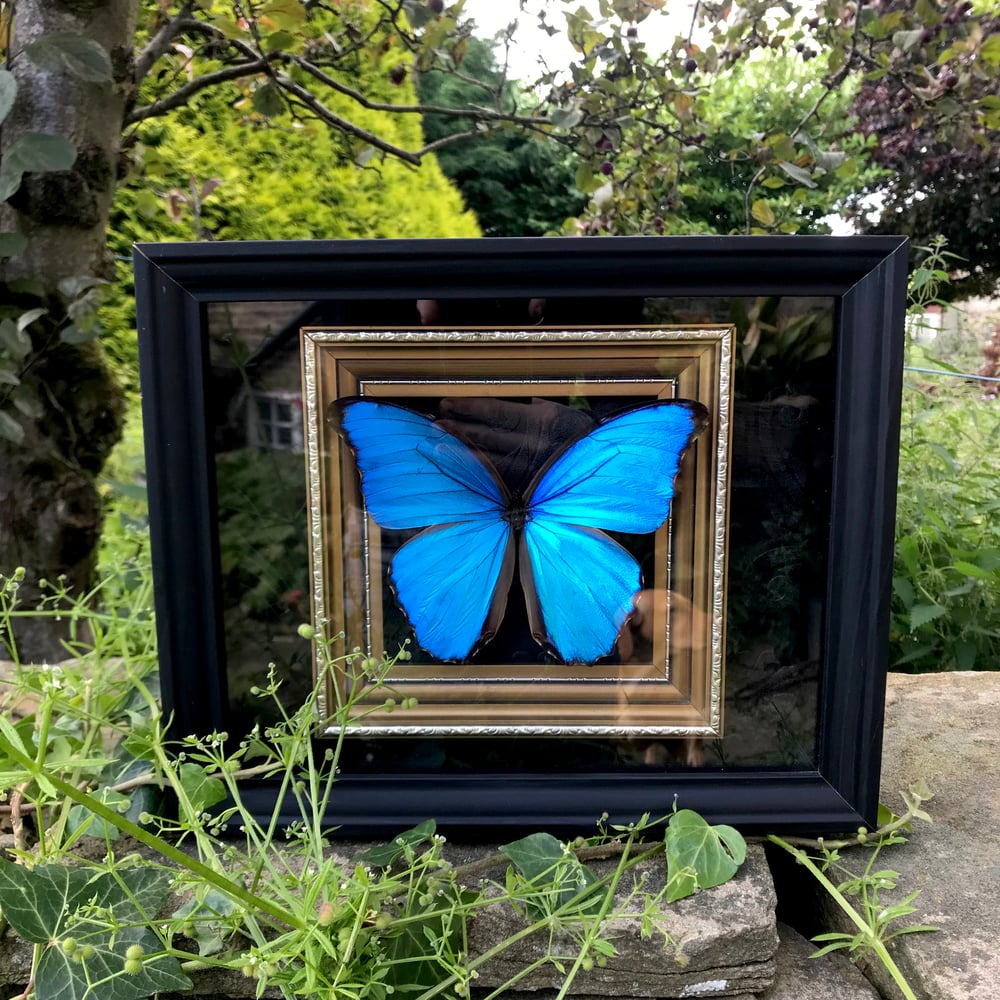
<point>516,182</point>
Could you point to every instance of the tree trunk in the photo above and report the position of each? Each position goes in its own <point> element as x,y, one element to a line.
<point>50,510</point>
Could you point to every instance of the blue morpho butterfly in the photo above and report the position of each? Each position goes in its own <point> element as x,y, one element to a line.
<point>452,578</point>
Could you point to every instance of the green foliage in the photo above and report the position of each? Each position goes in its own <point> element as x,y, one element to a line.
<point>261,527</point>
<point>874,918</point>
<point>205,172</point>
<point>269,899</point>
<point>946,576</point>
<point>518,184</point>
<point>700,856</point>
<point>796,176</point>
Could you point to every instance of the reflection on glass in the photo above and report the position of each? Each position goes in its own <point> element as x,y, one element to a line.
<point>780,481</point>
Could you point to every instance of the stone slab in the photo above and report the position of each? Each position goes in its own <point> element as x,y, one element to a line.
<point>718,943</point>
<point>801,977</point>
<point>944,729</point>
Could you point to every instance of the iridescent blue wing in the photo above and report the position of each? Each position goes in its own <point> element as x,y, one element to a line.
<point>579,584</point>
<point>452,582</point>
<point>452,579</point>
<point>414,474</point>
<point>620,476</point>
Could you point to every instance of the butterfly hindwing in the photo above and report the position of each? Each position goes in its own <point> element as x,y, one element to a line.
<point>579,586</point>
<point>452,582</point>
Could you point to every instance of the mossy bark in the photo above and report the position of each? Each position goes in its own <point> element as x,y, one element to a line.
<point>50,508</point>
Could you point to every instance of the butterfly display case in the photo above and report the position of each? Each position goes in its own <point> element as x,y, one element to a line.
<point>535,623</point>
<point>627,504</point>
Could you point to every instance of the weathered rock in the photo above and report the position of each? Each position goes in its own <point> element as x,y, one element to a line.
<point>801,977</point>
<point>718,943</point>
<point>942,729</point>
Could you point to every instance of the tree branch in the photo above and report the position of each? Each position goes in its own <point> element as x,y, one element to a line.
<point>324,114</point>
<point>182,95</point>
<point>478,113</point>
<point>160,43</point>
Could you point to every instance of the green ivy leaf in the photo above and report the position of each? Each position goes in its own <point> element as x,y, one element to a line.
<point>66,51</point>
<point>383,855</point>
<point>61,977</point>
<point>38,901</point>
<point>699,855</point>
<point>208,918</point>
<point>540,856</point>
<point>535,855</point>
<point>83,820</point>
<point>34,152</point>
<point>8,91</point>
<point>204,792</point>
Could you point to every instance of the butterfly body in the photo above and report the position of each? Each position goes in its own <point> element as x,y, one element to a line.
<point>452,579</point>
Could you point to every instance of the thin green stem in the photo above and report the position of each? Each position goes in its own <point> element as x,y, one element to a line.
<point>163,847</point>
<point>871,938</point>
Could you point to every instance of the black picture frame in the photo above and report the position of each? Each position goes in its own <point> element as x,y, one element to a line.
<point>866,279</point>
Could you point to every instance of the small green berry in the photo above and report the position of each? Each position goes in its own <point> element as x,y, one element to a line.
<point>69,946</point>
<point>248,971</point>
<point>382,921</point>
<point>134,952</point>
<point>327,914</point>
<point>306,631</point>
<point>390,704</point>
<point>133,966</point>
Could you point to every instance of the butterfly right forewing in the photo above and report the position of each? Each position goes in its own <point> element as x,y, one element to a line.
<point>579,583</point>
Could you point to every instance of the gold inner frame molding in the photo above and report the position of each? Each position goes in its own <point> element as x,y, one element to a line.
<point>673,684</point>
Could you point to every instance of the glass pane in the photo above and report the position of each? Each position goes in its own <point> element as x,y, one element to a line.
<point>780,483</point>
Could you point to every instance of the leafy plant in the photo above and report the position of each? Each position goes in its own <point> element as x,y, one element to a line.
<point>946,575</point>
<point>874,918</point>
<point>88,756</point>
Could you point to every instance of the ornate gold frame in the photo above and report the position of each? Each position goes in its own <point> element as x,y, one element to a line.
<point>677,689</point>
